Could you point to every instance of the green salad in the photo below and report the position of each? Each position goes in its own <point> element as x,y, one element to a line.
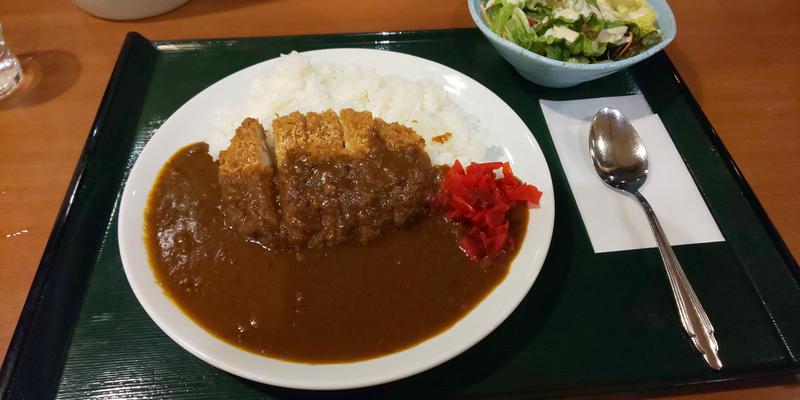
<point>578,31</point>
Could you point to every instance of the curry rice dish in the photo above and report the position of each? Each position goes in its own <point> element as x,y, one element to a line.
<point>320,247</point>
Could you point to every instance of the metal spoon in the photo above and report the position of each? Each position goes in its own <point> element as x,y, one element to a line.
<point>620,159</point>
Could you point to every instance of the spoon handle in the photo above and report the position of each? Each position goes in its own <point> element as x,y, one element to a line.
<point>693,316</point>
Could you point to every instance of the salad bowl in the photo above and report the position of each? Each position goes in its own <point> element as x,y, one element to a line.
<point>558,74</point>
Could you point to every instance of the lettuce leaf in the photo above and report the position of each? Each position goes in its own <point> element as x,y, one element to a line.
<point>637,12</point>
<point>575,30</point>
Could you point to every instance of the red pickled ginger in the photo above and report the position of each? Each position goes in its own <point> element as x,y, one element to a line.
<point>477,199</point>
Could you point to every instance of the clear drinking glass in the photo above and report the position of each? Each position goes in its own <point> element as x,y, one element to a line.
<point>10,69</point>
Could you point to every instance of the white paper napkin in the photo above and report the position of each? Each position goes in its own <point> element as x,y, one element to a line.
<point>613,220</point>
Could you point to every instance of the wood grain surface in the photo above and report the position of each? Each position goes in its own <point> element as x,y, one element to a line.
<point>739,58</point>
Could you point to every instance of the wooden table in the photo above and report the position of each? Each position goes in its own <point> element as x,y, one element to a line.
<point>738,57</point>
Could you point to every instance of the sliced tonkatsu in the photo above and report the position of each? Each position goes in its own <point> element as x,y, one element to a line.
<point>335,177</point>
<point>246,173</point>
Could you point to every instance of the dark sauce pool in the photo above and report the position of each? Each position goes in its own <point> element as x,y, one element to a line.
<point>340,304</point>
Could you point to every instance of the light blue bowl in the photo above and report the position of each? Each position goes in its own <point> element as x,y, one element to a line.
<point>553,73</point>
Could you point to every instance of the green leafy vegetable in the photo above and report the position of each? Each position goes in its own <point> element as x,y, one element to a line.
<point>579,31</point>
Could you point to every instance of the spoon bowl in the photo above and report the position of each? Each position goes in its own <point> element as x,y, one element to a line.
<point>617,151</point>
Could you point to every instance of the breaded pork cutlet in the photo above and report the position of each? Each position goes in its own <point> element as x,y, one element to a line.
<point>358,132</point>
<point>333,178</point>
<point>398,137</point>
<point>408,191</point>
<point>246,176</point>
<point>306,147</point>
<point>347,176</point>
<point>316,135</point>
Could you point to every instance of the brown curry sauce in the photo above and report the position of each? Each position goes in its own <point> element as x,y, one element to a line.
<point>345,303</point>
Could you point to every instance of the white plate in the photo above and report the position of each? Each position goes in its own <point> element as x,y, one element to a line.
<point>191,121</point>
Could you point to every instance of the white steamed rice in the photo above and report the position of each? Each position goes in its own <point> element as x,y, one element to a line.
<point>297,84</point>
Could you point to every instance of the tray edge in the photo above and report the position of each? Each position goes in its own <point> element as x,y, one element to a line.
<point>43,271</point>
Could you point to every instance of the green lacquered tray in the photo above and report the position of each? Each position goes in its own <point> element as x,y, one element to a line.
<point>592,323</point>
